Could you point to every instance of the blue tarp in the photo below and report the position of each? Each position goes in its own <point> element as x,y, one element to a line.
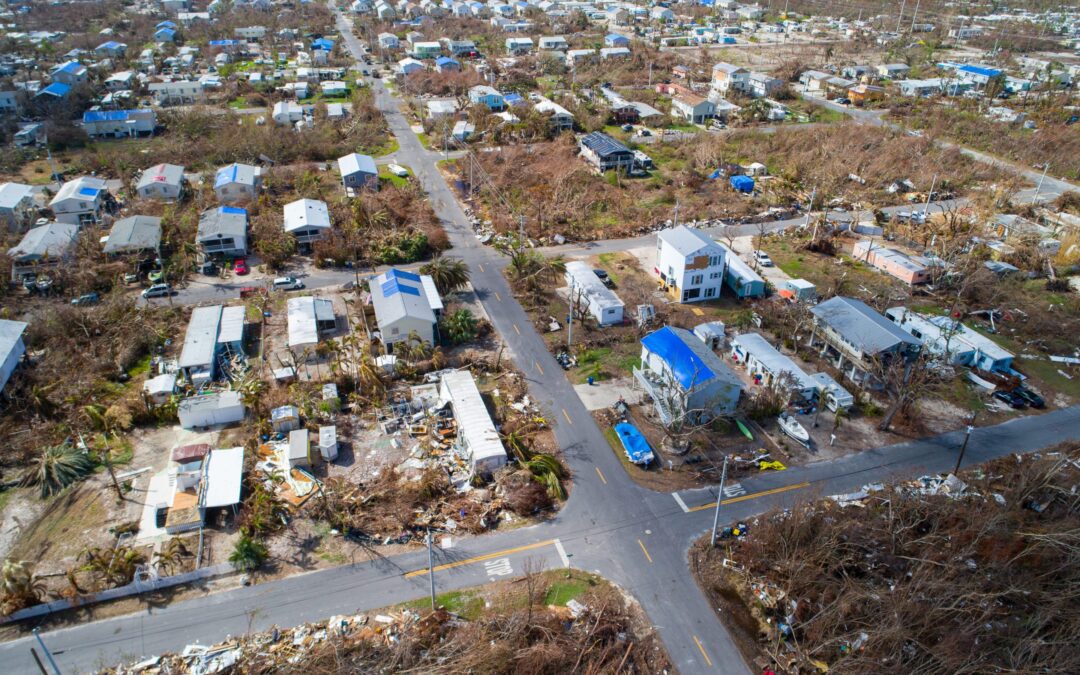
<point>742,183</point>
<point>685,365</point>
<point>716,174</point>
<point>635,445</point>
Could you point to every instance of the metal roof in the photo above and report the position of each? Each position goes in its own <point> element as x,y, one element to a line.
<point>244,174</point>
<point>224,220</point>
<point>860,325</point>
<point>305,213</point>
<point>397,294</point>
<point>304,313</point>
<point>12,194</point>
<point>771,359</point>
<point>200,341</point>
<point>686,241</point>
<point>232,324</point>
<point>585,280</point>
<point>10,334</point>
<point>223,478</point>
<point>603,145</point>
<point>80,188</point>
<point>476,432</point>
<point>169,174</point>
<point>357,163</point>
<point>135,233</point>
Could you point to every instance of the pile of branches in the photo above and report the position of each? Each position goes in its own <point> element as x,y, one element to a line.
<point>979,581</point>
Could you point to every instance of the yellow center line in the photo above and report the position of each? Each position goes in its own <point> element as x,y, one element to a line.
<point>497,296</point>
<point>567,416</point>
<point>645,551</point>
<point>743,498</point>
<point>480,266</point>
<point>701,648</point>
<point>516,329</point>
<point>480,558</point>
<point>601,474</point>
<point>537,364</point>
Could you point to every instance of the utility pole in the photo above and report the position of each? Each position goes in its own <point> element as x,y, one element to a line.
<point>719,498</point>
<point>48,654</point>
<point>926,207</point>
<point>430,571</point>
<point>900,18</point>
<point>1038,188</point>
<point>675,222</point>
<point>570,317</point>
<point>963,447</point>
<point>810,208</point>
<point>912,31</point>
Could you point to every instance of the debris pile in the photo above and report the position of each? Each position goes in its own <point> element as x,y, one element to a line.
<point>596,632</point>
<point>941,573</point>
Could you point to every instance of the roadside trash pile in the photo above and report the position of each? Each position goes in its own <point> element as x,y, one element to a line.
<point>277,648</point>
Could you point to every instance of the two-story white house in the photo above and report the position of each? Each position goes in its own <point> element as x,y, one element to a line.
<point>80,201</point>
<point>689,264</point>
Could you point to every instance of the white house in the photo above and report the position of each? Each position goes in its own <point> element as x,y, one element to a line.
<point>119,123</point>
<point>308,220</point>
<point>945,337</point>
<point>477,439</point>
<point>287,112</point>
<point>134,234</point>
<point>405,304</point>
<point>176,92</point>
<point>519,46</point>
<point>768,367</point>
<point>214,335</point>
<point>223,232</point>
<point>689,264</point>
<point>80,201</point>
<point>596,298</point>
<point>12,348</point>
<point>554,43</point>
<point>163,181</point>
<point>17,206</point>
<point>388,41</point>
<point>237,182</point>
<point>358,172</point>
<point>726,76</point>
<point>692,108</point>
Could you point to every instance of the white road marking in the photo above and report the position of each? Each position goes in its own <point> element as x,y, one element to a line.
<point>680,502</point>
<point>562,553</point>
<point>499,567</point>
<point>734,490</point>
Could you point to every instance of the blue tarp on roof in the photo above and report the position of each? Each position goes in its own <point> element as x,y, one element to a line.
<point>105,116</point>
<point>57,89</point>
<point>323,44</point>
<point>402,274</point>
<point>89,192</point>
<point>979,70</point>
<point>685,365</point>
<point>233,210</point>
<point>71,67</point>
<point>225,175</point>
<point>393,287</point>
<point>446,60</point>
<point>513,99</point>
<point>165,24</point>
<point>637,448</point>
<point>111,44</point>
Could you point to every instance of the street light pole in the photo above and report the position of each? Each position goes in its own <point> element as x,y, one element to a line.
<point>430,570</point>
<point>1038,188</point>
<point>48,654</point>
<point>719,498</point>
<point>963,447</point>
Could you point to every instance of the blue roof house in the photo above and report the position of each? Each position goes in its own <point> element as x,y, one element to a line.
<point>56,91</point>
<point>482,94</point>
<point>69,72</point>
<point>323,44</point>
<point>616,40</point>
<point>687,381</point>
<point>445,64</point>
<point>165,35</point>
<point>111,48</point>
<point>978,75</point>
<point>166,24</point>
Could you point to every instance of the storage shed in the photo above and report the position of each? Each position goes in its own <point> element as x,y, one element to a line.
<point>284,419</point>
<point>299,453</point>
<point>328,443</point>
<point>798,289</point>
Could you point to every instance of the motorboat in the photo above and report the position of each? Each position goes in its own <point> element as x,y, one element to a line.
<point>790,426</point>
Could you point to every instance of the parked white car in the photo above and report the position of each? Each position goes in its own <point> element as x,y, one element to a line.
<point>398,170</point>
<point>763,258</point>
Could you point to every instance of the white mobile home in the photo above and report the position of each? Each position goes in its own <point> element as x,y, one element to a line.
<point>209,410</point>
<point>599,300</point>
<point>478,441</point>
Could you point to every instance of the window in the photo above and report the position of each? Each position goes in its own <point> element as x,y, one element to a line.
<point>395,331</point>
<point>691,294</point>
<point>696,279</point>
<point>670,271</point>
<point>710,292</point>
<point>714,260</point>
<point>714,275</point>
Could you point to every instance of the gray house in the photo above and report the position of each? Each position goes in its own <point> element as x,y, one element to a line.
<point>135,234</point>
<point>223,232</point>
<point>164,182</point>
<point>686,379</point>
<point>358,172</point>
<point>16,205</point>
<point>45,245</point>
<point>857,338</point>
<point>11,348</point>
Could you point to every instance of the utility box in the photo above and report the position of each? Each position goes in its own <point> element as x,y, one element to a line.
<point>328,446</point>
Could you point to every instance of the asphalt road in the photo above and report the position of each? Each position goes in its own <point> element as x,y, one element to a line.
<point>637,538</point>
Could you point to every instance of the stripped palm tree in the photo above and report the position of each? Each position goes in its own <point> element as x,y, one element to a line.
<point>57,467</point>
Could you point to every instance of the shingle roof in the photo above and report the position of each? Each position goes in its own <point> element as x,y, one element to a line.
<point>137,233</point>
<point>224,220</point>
<point>306,213</point>
<point>53,240</point>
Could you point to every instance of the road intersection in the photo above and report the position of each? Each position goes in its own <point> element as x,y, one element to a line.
<point>635,537</point>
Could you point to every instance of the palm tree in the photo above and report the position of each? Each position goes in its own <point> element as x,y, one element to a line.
<point>449,274</point>
<point>460,326</point>
<point>19,586</point>
<point>171,555</point>
<point>249,554</point>
<point>57,467</point>
<point>115,566</point>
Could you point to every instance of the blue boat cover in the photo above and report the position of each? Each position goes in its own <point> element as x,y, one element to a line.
<point>687,366</point>
<point>635,445</point>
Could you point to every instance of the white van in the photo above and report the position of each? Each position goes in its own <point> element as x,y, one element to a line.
<point>287,284</point>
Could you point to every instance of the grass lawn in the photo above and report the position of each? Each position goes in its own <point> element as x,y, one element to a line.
<point>238,103</point>
<point>397,181</point>
<point>564,590</point>
<point>1047,372</point>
